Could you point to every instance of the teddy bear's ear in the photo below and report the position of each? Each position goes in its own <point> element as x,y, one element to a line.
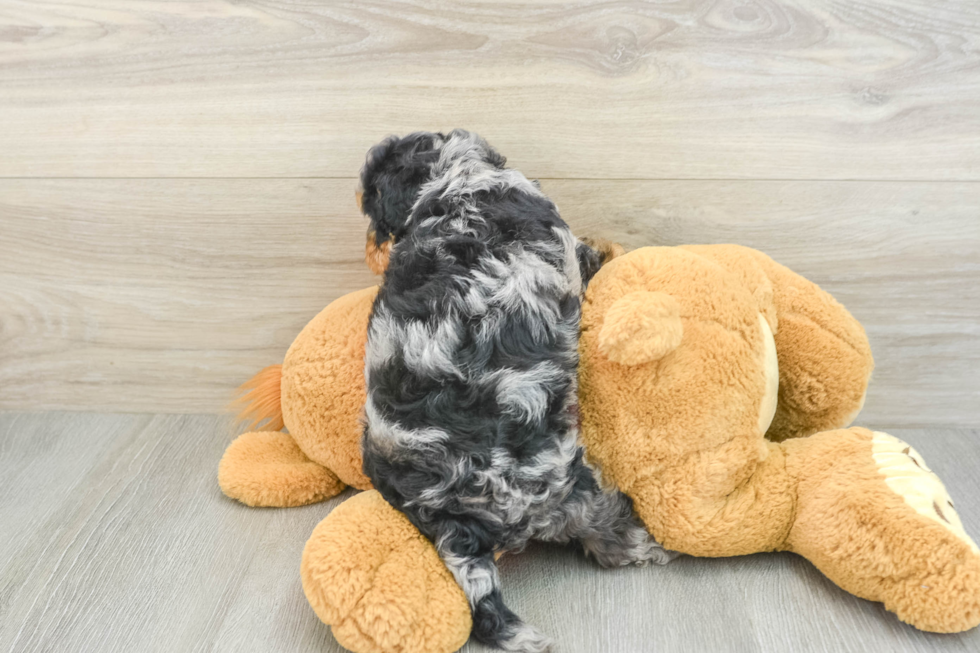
<point>641,327</point>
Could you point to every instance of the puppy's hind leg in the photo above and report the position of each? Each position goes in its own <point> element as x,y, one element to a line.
<point>616,537</point>
<point>494,624</point>
<point>604,524</point>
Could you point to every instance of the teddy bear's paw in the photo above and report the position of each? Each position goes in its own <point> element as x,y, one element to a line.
<point>935,585</point>
<point>907,474</point>
<point>267,468</point>
<point>379,583</point>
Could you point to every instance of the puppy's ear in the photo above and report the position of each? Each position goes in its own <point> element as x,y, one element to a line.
<point>393,173</point>
<point>641,327</point>
<point>489,152</point>
<point>495,158</point>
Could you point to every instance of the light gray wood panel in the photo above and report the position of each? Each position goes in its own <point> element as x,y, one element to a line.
<point>123,542</point>
<point>876,89</point>
<point>163,295</point>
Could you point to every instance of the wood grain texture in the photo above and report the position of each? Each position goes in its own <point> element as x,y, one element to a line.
<point>117,538</point>
<point>164,295</point>
<point>178,203</point>
<point>828,89</point>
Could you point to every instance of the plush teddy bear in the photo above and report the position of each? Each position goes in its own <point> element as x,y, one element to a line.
<point>714,385</point>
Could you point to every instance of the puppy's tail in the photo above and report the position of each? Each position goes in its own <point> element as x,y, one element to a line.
<point>259,400</point>
<point>494,624</point>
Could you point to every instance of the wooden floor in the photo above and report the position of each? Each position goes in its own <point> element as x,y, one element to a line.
<point>176,201</point>
<point>117,538</point>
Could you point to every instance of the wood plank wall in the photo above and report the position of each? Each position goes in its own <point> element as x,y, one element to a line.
<point>176,178</point>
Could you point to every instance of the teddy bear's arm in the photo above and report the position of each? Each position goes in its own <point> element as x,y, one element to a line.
<point>267,468</point>
<point>825,360</point>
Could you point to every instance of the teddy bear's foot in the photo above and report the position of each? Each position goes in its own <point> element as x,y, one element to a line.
<point>945,596</point>
<point>379,583</point>
<point>881,525</point>
<point>267,468</point>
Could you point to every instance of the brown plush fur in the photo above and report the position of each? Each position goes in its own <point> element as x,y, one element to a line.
<point>674,376</point>
<point>873,545</point>
<point>680,433</point>
<point>380,584</point>
<point>323,390</point>
<point>268,469</point>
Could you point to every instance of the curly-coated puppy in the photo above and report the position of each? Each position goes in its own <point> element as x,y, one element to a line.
<point>471,415</point>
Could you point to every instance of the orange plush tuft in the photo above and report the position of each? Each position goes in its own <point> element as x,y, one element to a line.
<point>259,400</point>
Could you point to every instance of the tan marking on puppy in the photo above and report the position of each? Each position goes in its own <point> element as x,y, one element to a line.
<point>376,255</point>
<point>607,248</point>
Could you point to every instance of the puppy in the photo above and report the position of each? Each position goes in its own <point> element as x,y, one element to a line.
<point>471,416</point>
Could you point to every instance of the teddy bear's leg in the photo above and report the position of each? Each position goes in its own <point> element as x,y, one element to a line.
<point>379,583</point>
<point>862,506</point>
<point>267,468</point>
<point>825,360</point>
<point>735,499</point>
<point>873,518</point>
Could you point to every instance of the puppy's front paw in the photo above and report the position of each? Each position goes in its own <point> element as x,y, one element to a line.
<point>527,639</point>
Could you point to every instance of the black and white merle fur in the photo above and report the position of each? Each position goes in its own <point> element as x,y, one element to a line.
<point>471,415</point>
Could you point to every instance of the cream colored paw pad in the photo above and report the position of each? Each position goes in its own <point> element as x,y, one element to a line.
<point>767,410</point>
<point>907,475</point>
